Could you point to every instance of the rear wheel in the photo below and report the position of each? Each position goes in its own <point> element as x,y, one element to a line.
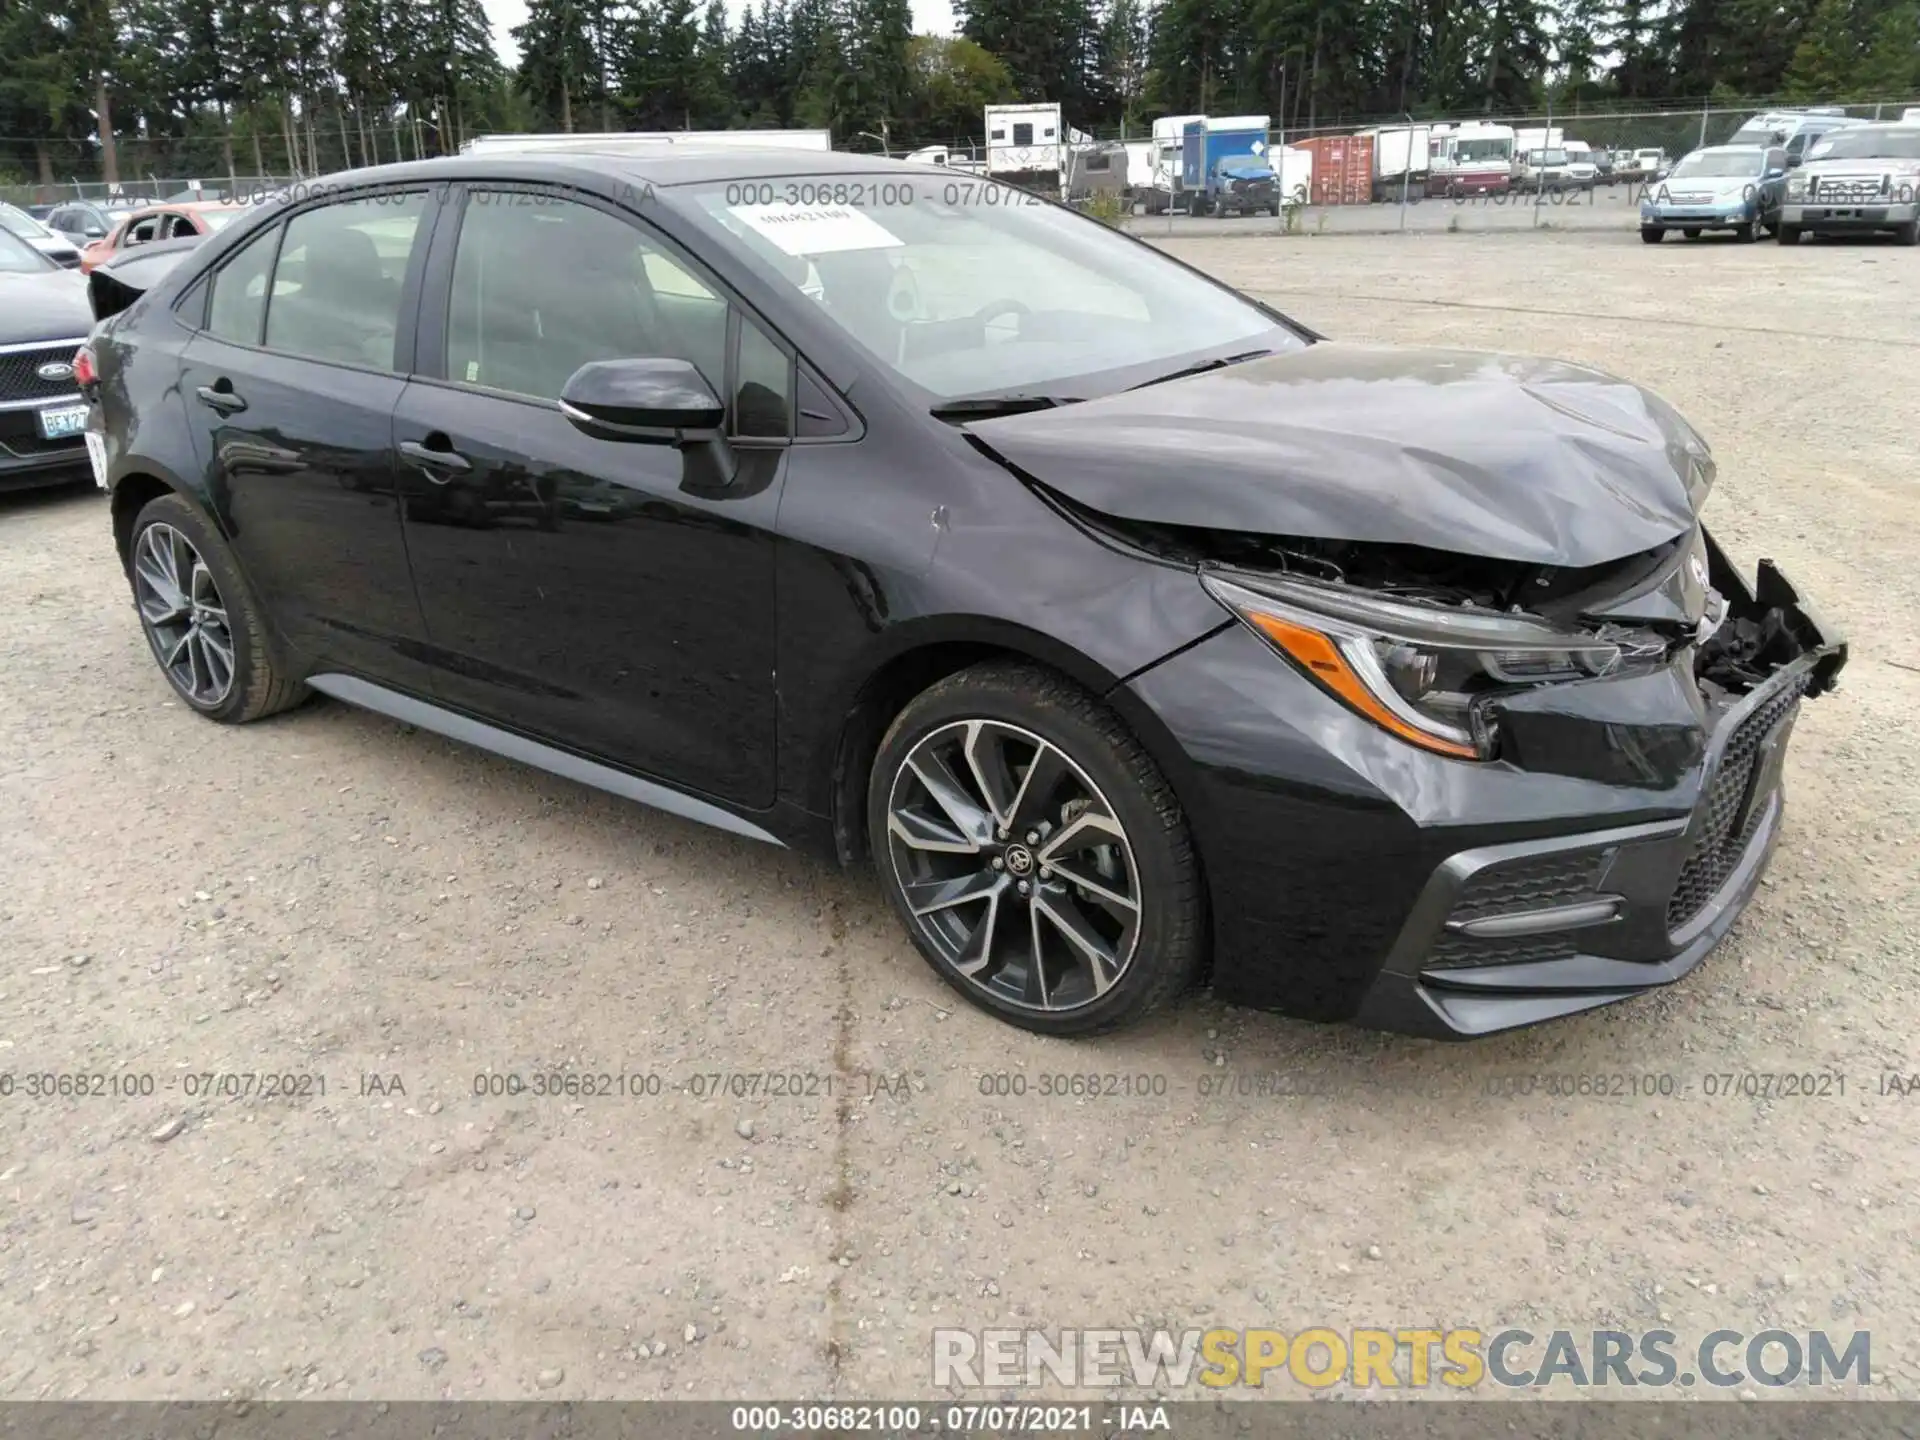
<point>200,619</point>
<point>1653,234</point>
<point>1035,852</point>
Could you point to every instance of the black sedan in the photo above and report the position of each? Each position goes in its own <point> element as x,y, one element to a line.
<point>1132,632</point>
<point>43,322</point>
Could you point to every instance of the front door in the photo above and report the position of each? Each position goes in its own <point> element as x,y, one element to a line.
<point>615,598</point>
<point>291,385</point>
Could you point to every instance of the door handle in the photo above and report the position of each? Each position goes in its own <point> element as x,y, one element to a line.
<point>440,465</point>
<point>225,401</point>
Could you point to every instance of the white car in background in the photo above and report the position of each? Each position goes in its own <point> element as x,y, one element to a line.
<point>56,247</point>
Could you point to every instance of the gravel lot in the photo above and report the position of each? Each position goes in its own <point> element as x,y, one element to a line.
<point>330,895</point>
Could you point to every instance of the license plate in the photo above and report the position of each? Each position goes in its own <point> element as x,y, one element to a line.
<point>97,456</point>
<point>63,420</point>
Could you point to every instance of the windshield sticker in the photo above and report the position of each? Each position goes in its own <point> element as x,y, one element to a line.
<point>816,229</point>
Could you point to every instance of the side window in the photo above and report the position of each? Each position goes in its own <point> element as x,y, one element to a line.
<point>1798,143</point>
<point>336,289</point>
<point>541,286</point>
<point>239,300</point>
<point>761,400</point>
<point>142,231</point>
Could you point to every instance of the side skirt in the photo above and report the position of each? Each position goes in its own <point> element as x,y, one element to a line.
<point>363,693</point>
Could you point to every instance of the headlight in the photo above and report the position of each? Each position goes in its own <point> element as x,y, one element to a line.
<point>1797,187</point>
<point>1412,669</point>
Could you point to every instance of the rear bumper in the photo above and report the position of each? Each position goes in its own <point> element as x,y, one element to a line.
<point>1609,850</point>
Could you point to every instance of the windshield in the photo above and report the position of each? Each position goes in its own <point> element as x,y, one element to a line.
<point>18,222</point>
<point>1467,151</point>
<point>1549,157</point>
<point>1721,166</point>
<point>965,287</point>
<point>1868,145</point>
<point>19,258</point>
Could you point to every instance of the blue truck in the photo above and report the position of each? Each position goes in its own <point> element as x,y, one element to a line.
<point>1224,167</point>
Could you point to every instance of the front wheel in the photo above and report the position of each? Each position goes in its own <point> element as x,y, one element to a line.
<point>1653,234</point>
<point>1746,234</point>
<point>1035,853</point>
<point>1907,234</point>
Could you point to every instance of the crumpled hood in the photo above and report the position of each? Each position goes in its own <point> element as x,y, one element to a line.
<point>1505,456</point>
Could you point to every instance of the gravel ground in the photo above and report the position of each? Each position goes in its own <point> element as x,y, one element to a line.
<point>331,896</point>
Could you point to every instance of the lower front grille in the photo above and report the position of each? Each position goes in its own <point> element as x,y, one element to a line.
<point>1535,884</point>
<point>1463,952</point>
<point>1723,837</point>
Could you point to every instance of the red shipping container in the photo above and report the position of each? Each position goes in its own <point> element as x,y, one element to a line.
<point>1342,168</point>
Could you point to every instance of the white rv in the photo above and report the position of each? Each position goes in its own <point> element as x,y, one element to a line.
<point>623,139</point>
<point>1026,146</point>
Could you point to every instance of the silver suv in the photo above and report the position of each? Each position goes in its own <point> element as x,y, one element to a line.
<point>1856,181</point>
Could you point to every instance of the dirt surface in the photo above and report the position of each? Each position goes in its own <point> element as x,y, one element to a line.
<point>329,896</point>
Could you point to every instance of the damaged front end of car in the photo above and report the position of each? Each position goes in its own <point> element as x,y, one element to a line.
<point>1587,761</point>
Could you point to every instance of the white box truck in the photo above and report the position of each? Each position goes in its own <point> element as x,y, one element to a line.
<point>1026,146</point>
<point>1402,160</point>
<point>1168,137</point>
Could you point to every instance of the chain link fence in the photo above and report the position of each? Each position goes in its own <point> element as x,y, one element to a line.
<point>146,190</point>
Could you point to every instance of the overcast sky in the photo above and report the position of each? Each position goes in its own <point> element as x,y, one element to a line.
<point>930,17</point>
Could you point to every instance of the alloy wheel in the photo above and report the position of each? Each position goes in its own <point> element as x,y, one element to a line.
<point>183,614</point>
<point>1013,865</point>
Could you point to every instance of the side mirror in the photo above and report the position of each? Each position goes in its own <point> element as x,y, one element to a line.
<point>1775,173</point>
<point>653,400</point>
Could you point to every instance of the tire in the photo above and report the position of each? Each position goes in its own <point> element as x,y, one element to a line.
<point>1746,234</point>
<point>1907,234</point>
<point>1012,714</point>
<point>255,685</point>
<point>1653,234</point>
<point>1787,235</point>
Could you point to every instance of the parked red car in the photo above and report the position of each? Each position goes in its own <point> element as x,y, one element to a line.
<point>159,222</point>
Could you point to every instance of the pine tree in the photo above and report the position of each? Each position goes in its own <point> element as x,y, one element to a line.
<point>1828,53</point>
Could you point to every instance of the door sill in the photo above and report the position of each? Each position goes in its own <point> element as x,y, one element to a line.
<point>352,690</point>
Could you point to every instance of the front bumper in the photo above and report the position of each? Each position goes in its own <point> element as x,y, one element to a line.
<point>1606,853</point>
<point>1697,217</point>
<point>27,460</point>
<point>1847,215</point>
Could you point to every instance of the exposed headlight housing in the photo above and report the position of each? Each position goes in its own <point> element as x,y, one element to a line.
<point>1414,670</point>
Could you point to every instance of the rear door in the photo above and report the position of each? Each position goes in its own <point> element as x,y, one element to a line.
<point>615,598</point>
<point>291,385</point>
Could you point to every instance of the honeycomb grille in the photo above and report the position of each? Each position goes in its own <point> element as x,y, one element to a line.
<point>1535,884</point>
<point>1460,952</point>
<point>1719,846</point>
<point>18,382</point>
